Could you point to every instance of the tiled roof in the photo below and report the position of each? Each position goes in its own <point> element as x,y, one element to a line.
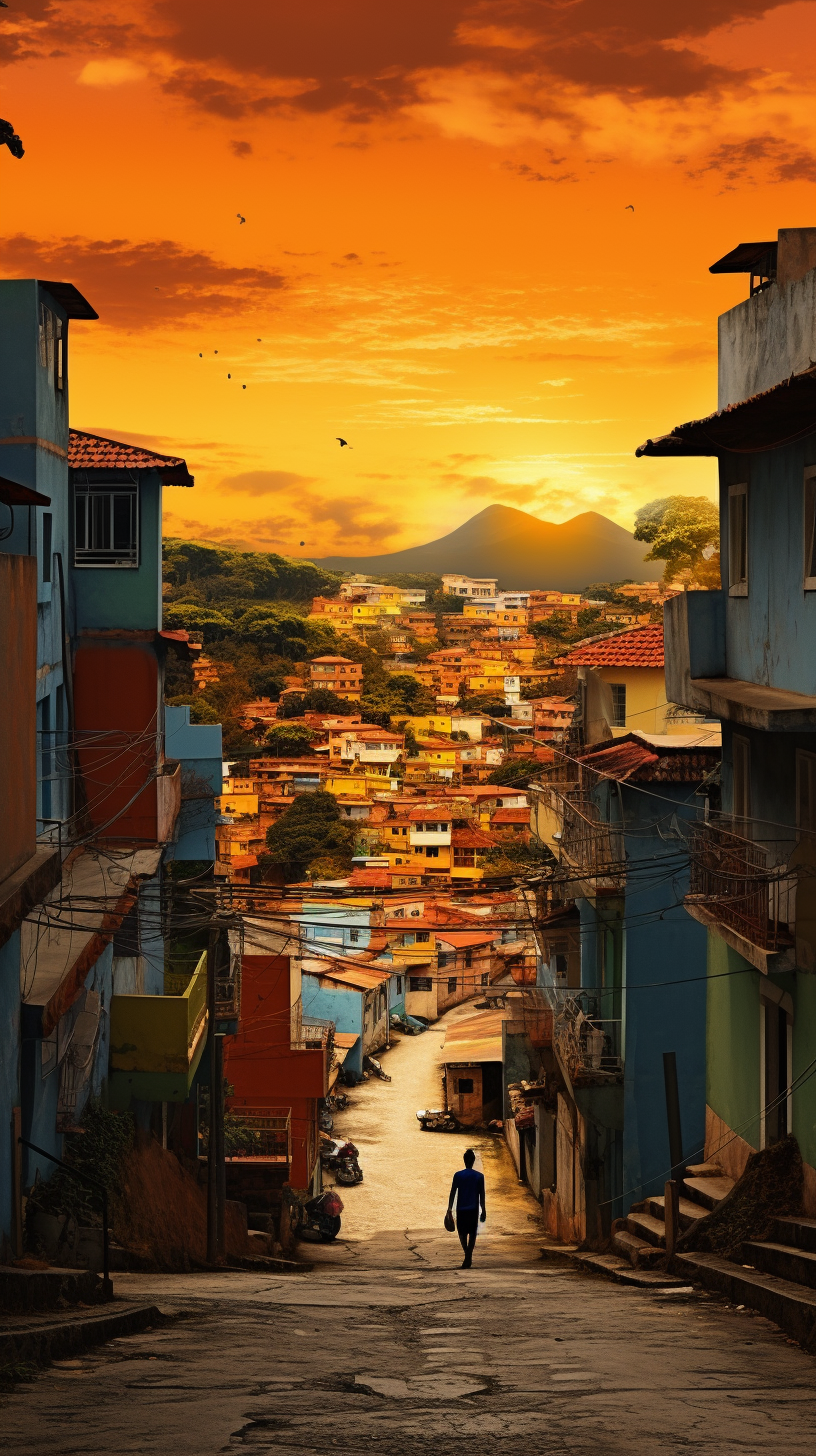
<point>94,452</point>
<point>641,647</point>
<point>472,839</point>
<point>432,813</point>
<point>630,759</point>
<point>510,816</point>
<point>373,879</point>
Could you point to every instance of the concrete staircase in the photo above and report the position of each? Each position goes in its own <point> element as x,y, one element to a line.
<point>777,1276</point>
<point>641,1236</point>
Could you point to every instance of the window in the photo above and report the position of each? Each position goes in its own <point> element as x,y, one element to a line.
<point>432,851</point>
<point>741,760</point>
<point>738,540</point>
<point>52,356</point>
<point>485,979</point>
<point>468,957</point>
<point>618,705</point>
<point>453,982</point>
<point>810,530</point>
<point>806,791</point>
<point>420,983</point>
<point>463,858</point>
<point>106,525</point>
<point>47,529</point>
<point>423,935</point>
<point>399,985</point>
<point>354,935</point>
<point>464,1086</point>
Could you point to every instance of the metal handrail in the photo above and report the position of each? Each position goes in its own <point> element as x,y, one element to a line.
<point>731,874</point>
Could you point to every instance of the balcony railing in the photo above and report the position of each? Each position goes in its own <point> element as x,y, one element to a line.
<point>228,988</point>
<point>590,844</point>
<point>253,1134</point>
<point>744,884</point>
<point>589,1045</point>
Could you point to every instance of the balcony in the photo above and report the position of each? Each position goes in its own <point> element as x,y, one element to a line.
<point>589,1046</point>
<point>569,822</point>
<point>156,1043</point>
<point>745,890</point>
<point>442,835</point>
<point>254,1135</point>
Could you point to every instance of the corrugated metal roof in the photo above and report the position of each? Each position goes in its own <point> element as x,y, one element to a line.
<point>476,1038</point>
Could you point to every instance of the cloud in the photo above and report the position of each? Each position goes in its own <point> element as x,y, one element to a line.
<point>143,284</point>
<point>771,158</point>
<point>265,482</point>
<point>241,149</point>
<point>114,71</point>
<point>529,174</point>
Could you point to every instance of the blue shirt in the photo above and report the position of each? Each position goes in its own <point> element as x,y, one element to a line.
<point>469,1187</point>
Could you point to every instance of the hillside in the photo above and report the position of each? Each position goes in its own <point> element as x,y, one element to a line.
<point>522,551</point>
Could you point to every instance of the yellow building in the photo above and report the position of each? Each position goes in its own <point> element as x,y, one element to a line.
<point>630,666</point>
<point>237,804</point>
<point>437,723</point>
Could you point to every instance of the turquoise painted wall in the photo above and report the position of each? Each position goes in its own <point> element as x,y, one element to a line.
<point>128,598</point>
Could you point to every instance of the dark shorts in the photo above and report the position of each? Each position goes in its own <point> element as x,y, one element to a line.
<point>467,1220</point>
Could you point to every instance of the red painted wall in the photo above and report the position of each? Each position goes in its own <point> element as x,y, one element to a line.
<point>18,721</point>
<point>116,703</point>
<point>262,1067</point>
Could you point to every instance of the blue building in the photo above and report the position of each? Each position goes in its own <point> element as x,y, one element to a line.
<point>745,653</point>
<point>94,801</point>
<point>622,964</point>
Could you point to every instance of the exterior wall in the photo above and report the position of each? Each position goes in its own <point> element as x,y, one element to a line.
<point>9,1072</point>
<point>262,1066</point>
<point>198,748</point>
<point>125,598</point>
<point>645,697</point>
<point>769,633</point>
<point>767,338</point>
<point>343,1006</point>
<point>18,673</point>
<point>466,1106</point>
<point>733,1038</point>
<point>116,692</point>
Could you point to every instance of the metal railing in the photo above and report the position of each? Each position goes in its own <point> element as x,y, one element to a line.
<point>587,1043</point>
<point>589,843</point>
<point>254,1132</point>
<point>745,884</point>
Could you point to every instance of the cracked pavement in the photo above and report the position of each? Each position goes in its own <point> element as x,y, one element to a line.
<point>386,1344</point>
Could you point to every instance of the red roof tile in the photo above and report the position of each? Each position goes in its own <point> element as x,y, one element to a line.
<point>473,839</point>
<point>511,816</point>
<point>652,763</point>
<point>94,452</point>
<point>641,647</point>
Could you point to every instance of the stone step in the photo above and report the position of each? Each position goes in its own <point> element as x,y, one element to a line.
<point>791,1306</point>
<point>612,1266</point>
<point>798,1265</point>
<point>797,1233</point>
<point>708,1191</point>
<point>646,1226</point>
<point>27,1291</point>
<point>689,1212</point>
<point>633,1248</point>
<point>55,1337</point>
<point>704,1170</point>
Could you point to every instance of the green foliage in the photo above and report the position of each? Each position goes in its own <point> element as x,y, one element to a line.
<point>680,529</point>
<point>210,573</point>
<point>493,707</point>
<point>290,740</point>
<point>99,1151</point>
<point>323,700</point>
<point>442,603</point>
<point>513,856</point>
<point>606,591</point>
<point>420,580</point>
<point>308,830</point>
<point>515,772</point>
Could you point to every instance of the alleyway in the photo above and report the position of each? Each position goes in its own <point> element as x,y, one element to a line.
<point>387,1345</point>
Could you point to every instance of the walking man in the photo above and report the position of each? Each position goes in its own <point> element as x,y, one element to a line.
<point>468,1188</point>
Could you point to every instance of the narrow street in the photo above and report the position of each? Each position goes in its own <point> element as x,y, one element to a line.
<point>387,1344</point>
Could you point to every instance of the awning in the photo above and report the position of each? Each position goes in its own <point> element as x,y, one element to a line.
<point>64,936</point>
<point>12,494</point>
<point>476,1038</point>
<point>766,421</point>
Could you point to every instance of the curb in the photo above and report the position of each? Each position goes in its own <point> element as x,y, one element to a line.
<point>38,1343</point>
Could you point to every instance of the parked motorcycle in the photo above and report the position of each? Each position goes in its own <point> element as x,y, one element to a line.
<point>335,1102</point>
<point>319,1218</point>
<point>342,1160</point>
<point>437,1119</point>
<point>325,1121</point>
<point>372,1065</point>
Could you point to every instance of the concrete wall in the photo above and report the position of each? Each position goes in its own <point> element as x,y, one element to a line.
<point>467,1106</point>
<point>9,1069</point>
<point>116,692</point>
<point>197,746</point>
<point>770,632</point>
<point>120,597</point>
<point>343,1007</point>
<point>18,673</point>
<point>766,338</point>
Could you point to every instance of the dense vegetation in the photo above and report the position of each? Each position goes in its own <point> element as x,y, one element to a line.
<point>310,839</point>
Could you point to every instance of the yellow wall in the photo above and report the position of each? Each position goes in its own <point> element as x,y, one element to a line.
<point>645,697</point>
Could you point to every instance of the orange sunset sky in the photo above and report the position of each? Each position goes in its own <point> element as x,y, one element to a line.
<point>437,261</point>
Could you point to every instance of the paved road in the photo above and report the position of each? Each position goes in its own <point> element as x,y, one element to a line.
<point>386,1345</point>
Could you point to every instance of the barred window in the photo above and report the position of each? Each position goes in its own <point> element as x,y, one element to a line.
<point>106,525</point>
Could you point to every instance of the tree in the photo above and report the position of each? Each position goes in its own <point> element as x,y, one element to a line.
<point>289,740</point>
<point>309,830</point>
<point>515,772</point>
<point>684,531</point>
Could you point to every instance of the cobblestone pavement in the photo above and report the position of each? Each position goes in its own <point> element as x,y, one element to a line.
<point>387,1345</point>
